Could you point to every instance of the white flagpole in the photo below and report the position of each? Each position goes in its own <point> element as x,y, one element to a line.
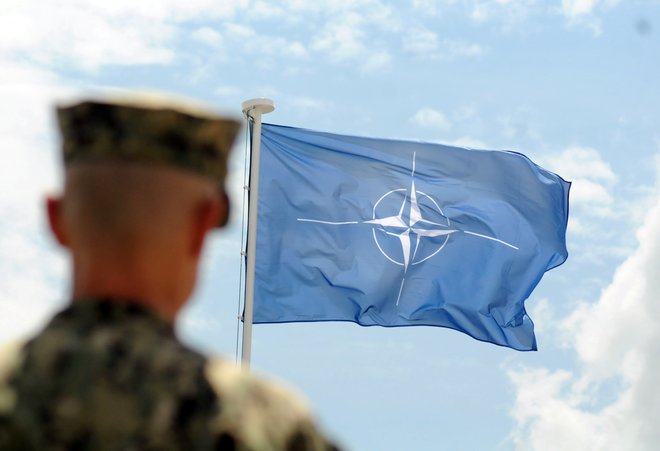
<point>252,109</point>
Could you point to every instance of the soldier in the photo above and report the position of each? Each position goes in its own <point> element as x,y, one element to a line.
<point>144,185</point>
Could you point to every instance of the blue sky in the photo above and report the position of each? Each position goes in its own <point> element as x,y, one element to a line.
<point>571,83</point>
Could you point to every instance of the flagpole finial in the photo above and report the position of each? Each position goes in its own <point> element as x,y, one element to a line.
<point>261,104</point>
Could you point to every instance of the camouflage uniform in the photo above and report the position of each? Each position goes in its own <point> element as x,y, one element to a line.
<point>110,375</point>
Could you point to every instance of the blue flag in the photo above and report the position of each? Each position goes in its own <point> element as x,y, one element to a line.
<point>396,233</point>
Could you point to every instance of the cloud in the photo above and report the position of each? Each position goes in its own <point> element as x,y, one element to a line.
<point>30,272</point>
<point>592,178</point>
<point>461,48</point>
<point>353,33</point>
<point>579,162</point>
<point>295,49</point>
<point>599,207</point>
<point>377,60</point>
<point>342,39</point>
<point>207,36</point>
<point>512,13</point>
<point>71,34</point>
<point>575,9</point>
<point>89,34</point>
<point>583,12</point>
<point>508,11</point>
<point>266,10</point>
<point>248,41</point>
<point>239,31</point>
<point>429,7</point>
<point>611,402</point>
<point>428,117</point>
<point>421,42</point>
<point>345,40</point>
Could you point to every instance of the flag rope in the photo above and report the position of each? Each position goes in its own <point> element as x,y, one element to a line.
<point>241,273</point>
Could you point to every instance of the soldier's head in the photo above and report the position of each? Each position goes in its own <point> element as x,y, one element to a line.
<point>144,183</point>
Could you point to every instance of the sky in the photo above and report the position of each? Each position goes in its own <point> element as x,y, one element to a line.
<point>573,84</point>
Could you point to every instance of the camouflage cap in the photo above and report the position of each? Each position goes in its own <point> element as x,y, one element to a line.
<point>143,131</point>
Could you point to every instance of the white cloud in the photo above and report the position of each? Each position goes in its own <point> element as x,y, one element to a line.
<point>425,43</point>
<point>420,41</point>
<point>592,178</point>
<point>267,10</point>
<point>574,9</point>
<point>160,10</point>
<point>429,7</point>
<point>585,191</point>
<point>342,39</point>
<point>612,401</point>
<point>580,162</point>
<point>249,42</point>
<point>88,34</point>
<point>584,12</point>
<point>91,34</point>
<point>376,61</point>
<point>74,35</point>
<point>30,274</point>
<point>542,312</point>
<point>600,209</point>
<point>508,11</point>
<point>428,117</point>
<point>374,11</point>
<point>239,31</point>
<point>295,49</point>
<point>352,33</point>
<point>461,48</point>
<point>207,36</point>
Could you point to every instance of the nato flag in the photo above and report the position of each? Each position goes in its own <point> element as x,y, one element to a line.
<point>397,233</point>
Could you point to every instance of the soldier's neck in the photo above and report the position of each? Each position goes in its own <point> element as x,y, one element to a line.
<point>128,281</point>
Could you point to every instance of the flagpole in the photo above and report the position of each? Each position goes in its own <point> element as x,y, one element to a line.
<point>252,109</point>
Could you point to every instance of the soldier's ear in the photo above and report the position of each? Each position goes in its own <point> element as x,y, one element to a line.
<point>224,210</point>
<point>210,213</point>
<point>54,207</point>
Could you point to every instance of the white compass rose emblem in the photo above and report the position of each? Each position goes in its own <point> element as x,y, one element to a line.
<point>415,222</point>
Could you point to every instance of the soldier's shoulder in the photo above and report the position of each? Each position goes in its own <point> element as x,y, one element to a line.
<point>10,359</point>
<point>259,413</point>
